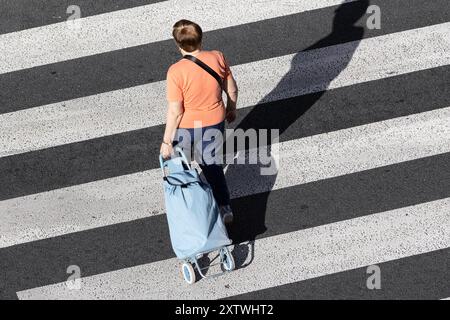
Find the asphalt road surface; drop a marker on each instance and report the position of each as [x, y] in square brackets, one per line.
[363, 180]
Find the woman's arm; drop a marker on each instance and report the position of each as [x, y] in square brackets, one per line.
[174, 114]
[231, 90]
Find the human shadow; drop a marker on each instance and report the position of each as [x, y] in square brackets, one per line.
[272, 113]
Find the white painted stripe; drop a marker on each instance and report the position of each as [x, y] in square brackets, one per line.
[280, 260]
[144, 106]
[136, 26]
[304, 160]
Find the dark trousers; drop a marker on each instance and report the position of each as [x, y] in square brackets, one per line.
[199, 142]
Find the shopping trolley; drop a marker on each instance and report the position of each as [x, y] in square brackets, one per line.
[195, 225]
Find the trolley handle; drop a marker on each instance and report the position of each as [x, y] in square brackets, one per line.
[163, 162]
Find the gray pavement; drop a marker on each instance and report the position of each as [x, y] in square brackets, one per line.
[364, 120]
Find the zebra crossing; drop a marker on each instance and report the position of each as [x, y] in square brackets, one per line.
[79, 119]
[364, 171]
[328, 155]
[354, 244]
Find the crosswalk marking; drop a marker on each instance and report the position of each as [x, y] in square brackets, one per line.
[143, 106]
[128, 197]
[70, 79]
[364, 168]
[422, 276]
[37, 14]
[135, 26]
[282, 259]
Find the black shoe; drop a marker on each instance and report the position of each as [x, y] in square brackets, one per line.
[227, 214]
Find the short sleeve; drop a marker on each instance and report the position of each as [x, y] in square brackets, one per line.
[174, 90]
[226, 66]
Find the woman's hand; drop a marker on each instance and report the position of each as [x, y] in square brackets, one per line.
[166, 150]
[174, 114]
[230, 115]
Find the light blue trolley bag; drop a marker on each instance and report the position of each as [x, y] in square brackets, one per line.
[195, 225]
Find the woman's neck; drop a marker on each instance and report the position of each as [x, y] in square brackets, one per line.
[193, 53]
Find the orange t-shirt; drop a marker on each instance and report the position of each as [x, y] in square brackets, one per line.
[197, 89]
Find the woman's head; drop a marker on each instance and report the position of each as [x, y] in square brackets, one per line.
[188, 35]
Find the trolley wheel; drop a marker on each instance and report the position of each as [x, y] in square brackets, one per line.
[188, 273]
[228, 260]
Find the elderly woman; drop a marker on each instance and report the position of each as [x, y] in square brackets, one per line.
[195, 104]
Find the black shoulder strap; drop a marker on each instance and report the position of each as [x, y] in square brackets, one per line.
[205, 67]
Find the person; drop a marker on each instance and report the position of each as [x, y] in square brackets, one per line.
[195, 104]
